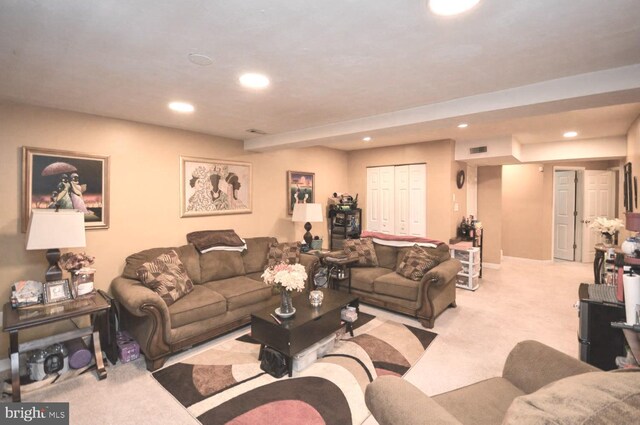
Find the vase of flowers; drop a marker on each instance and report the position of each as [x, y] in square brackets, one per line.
[608, 229]
[81, 274]
[286, 278]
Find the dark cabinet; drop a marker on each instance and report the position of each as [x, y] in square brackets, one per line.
[599, 342]
[344, 224]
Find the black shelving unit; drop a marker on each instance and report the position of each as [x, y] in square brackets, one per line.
[344, 224]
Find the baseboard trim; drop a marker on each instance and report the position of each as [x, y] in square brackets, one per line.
[529, 260]
[491, 266]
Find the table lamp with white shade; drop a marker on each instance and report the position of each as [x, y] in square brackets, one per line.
[307, 213]
[51, 230]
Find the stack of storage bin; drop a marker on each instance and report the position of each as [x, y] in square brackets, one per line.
[469, 276]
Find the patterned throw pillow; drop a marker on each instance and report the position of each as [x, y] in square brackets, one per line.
[167, 276]
[289, 252]
[416, 263]
[363, 250]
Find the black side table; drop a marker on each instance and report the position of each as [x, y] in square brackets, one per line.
[15, 320]
[339, 269]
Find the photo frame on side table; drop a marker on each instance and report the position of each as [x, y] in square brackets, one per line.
[67, 180]
[56, 291]
[300, 189]
[214, 187]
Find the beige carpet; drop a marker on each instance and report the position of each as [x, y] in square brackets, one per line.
[523, 300]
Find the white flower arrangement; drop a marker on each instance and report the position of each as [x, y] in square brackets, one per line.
[291, 277]
[604, 225]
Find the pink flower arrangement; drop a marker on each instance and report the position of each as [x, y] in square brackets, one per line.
[290, 277]
[74, 262]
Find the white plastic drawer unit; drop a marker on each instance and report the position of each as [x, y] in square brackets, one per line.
[466, 281]
[471, 255]
[470, 268]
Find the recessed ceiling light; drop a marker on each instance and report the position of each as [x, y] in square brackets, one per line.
[200, 59]
[181, 107]
[254, 81]
[366, 139]
[570, 134]
[451, 7]
[463, 125]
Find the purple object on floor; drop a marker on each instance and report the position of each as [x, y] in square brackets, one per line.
[128, 348]
[79, 354]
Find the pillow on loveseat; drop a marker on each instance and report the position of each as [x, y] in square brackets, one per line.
[167, 276]
[416, 263]
[590, 398]
[363, 250]
[288, 252]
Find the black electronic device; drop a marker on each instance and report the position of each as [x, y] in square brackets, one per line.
[599, 342]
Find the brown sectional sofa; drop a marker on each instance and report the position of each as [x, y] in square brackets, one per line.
[383, 287]
[227, 289]
[539, 385]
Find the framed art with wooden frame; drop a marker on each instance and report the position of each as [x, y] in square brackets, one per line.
[56, 291]
[214, 186]
[67, 180]
[300, 188]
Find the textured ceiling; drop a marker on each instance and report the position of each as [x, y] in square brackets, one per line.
[329, 61]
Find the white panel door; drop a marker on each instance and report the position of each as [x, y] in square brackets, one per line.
[598, 202]
[564, 218]
[402, 209]
[418, 200]
[373, 199]
[387, 200]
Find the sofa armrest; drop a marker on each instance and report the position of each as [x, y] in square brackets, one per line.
[394, 401]
[311, 264]
[134, 296]
[531, 365]
[443, 272]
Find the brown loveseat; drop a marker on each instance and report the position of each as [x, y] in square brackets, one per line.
[425, 299]
[227, 289]
[539, 385]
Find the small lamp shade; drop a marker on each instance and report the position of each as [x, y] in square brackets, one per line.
[633, 222]
[52, 230]
[307, 213]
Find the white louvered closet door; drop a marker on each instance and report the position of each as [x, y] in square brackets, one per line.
[373, 199]
[402, 195]
[418, 200]
[397, 200]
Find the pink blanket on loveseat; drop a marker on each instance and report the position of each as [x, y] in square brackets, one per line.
[397, 240]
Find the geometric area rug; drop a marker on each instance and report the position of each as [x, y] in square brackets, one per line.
[225, 385]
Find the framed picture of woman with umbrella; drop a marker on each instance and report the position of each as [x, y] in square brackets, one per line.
[54, 179]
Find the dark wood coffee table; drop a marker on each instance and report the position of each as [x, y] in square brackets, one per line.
[308, 326]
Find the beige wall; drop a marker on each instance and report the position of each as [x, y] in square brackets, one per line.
[459, 194]
[527, 204]
[523, 204]
[490, 212]
[441, 221]
[144, 182]
[633, 156]
[633, 146]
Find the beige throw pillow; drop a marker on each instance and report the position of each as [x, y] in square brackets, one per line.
[416, 263]
[363, 250]
[167, 276]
